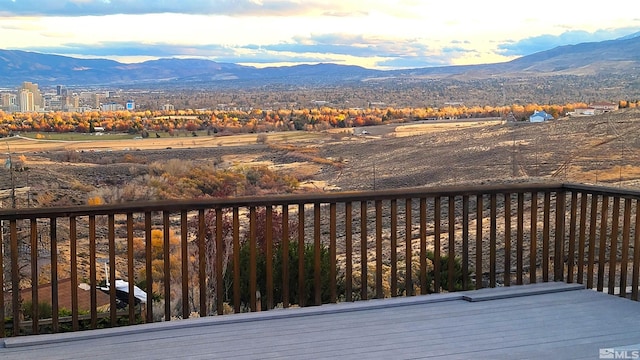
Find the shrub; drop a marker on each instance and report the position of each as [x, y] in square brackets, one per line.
[444, 273]
[44, 310]
[261, 275]
[261, 139]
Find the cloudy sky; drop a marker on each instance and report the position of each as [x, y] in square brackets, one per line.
[379, 34]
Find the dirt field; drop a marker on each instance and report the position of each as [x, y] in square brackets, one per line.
[112, 143]
[599, 149]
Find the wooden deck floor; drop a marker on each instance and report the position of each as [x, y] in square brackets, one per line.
[544, 321]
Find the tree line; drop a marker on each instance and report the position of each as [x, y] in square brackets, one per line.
[260, 120]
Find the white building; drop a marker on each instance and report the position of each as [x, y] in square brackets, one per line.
[540, 116]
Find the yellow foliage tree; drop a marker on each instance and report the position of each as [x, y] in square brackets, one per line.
[157, 259]
[95, 200]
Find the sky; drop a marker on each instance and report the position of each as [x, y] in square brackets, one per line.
[378, 34]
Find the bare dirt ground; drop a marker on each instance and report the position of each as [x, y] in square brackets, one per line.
[599, 149]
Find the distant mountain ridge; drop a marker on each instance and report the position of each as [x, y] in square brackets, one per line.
[618, 56]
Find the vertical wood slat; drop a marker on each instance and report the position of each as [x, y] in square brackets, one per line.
[55, 308]
[130, 271]
[624, 262]
[520, 241]
[437, 263]
[379, 293]
[113, 316]
[92, 271]
[285, 257]
[408, 280]
[582, 237]
[316, 255]
[604, 216]
[394, 247]
[202, 262]
[613, 252]
[465, 242]
[236, 255]
[348, 226]
[558, 252]
[493, 240]
[533, 252]
[268, 256]
[253, 255]
[507, 239]
[423, 247]
[363, 251]
[572, 236]
[333, 271]
[148, 269]
[219, 261]
[35, 310]
[184, 258]
[546, 237]
[635, 278]
[15, 275]
[301, 272]
[452, 244]
[3, 313]
[479, 215]
[73, 248]
[166, 251]
[592, 240]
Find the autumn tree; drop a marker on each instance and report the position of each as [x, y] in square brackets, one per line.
[158, 260]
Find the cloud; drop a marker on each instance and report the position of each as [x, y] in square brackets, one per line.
[123, 48]
[219, 53]
[333, 47]
[546, 42]
[412, 62]
[195, 7]
[17, 25]
[351, 45]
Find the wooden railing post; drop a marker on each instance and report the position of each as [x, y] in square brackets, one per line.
[558, 254]
[572, 236]
[16, 303]
[479, 215]
[394, 248]
[613, 246]
[3, 313]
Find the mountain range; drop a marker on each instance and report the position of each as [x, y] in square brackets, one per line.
[620, 56]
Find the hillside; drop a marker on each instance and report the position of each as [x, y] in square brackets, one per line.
[601, 149]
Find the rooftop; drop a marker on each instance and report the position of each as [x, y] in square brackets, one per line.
[538, 321]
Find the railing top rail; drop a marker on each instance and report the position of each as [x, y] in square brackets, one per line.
[603, 190]
[291, 199]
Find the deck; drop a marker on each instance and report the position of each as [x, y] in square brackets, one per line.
[541, 321]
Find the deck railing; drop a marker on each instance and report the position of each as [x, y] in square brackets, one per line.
[218, 256]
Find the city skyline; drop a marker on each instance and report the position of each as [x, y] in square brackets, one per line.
[378, 34]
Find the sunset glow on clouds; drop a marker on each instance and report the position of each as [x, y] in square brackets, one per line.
[374, 33]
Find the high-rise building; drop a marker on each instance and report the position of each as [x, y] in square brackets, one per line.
[38, 102]
[9, 102]
[27, 103]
